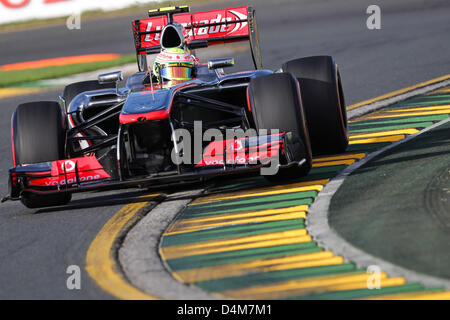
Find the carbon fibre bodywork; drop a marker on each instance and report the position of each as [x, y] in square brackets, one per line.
[136, 149]
[128, 136]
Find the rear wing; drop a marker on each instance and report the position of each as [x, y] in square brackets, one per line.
[201, 29]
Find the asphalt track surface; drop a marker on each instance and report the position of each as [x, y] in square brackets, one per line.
[37, 247]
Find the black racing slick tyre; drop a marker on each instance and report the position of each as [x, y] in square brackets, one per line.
[74, 89]
[38, 135]
[323, 100]
[275, 103]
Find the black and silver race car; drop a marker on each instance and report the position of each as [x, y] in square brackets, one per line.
[102, 136]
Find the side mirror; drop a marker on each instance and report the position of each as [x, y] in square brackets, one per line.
[197, 44]
[115, 76]
[220, 63]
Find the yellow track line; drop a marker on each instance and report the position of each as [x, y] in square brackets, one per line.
[287, 266]
[445, 90]
[234, 269]
[198, 222]
[298, 286]
[233, 241]
[404, 112]
[377, 140]
[415, 109]
[398, 92]
[409, 114]
[274, 217]
[387, 282]
[243, 214]
[383, 133]
[236, 240]
[333, 163]
[361, 284]
[269, 243]
[60, 61]
[341, 157]
[315, 185]
[10, 92]
[100, 262]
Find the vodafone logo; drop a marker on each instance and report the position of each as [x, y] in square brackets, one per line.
[238, 145]
[63, 172]
[234, 160]
[68, 165]
[72, 180]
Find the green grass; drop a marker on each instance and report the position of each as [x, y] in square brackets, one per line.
[16, 77]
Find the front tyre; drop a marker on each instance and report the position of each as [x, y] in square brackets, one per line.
[323, 100]
[38, 135]
[275, 103]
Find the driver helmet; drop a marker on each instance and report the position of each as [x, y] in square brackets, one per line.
[174, 64]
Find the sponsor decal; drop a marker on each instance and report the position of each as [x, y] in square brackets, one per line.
[234, 160]
[68, 166]
[169, 57]
[89, 169]
[237, 153]
[239, 25]
[71, 181]
[232, 19]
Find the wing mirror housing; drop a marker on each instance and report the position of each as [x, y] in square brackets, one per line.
[115, 76]
[110, 77]
[217, 64]
[214, 64]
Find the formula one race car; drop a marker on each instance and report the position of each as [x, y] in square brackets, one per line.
[171, 123]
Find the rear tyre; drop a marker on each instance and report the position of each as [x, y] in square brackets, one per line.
[275, 103]
[323, 100]
[38, 135]
[74, 89]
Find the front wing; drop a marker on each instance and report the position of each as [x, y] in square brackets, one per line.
[248, 154]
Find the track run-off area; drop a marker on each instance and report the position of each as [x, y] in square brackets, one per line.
[247, 238]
